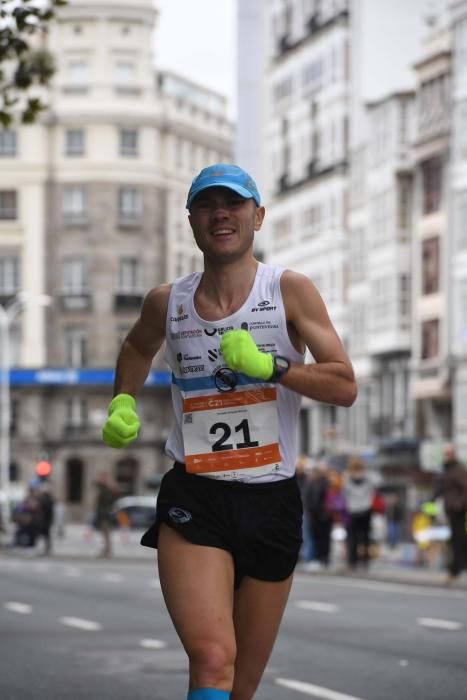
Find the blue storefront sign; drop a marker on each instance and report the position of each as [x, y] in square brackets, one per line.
[82, 377]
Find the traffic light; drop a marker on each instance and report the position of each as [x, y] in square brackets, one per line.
[43, 469]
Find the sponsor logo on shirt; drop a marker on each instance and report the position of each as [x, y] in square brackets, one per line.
[225, 379]
[263, 306]
[220, 331]
[190, 333]
[263, 325]
[192, 369]
[213, 354]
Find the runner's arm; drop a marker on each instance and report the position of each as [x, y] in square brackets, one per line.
[331, 378]
[142, 343]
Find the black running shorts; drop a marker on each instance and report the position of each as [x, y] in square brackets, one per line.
[259, 524]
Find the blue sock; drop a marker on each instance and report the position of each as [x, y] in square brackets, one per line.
[208, 694]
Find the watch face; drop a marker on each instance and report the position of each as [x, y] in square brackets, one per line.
[282, 362]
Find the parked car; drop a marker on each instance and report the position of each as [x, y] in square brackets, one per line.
[137, 512]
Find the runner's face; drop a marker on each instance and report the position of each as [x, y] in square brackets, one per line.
[224, 223]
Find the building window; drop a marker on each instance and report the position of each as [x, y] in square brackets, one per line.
[129, 276]
[75, 278]
[431, 183]
[461, 220]
[127, 476]
[14, 416]
[430, 339]
[358, 255]
[430, 266]
[404, 204]
[381, 218]
[128, 142]
[7, 142]
[78, 73]
[74, 479]
[74, 142]
[76, 412]
[130, 205]
[9, 275]
[124, 73]
[8, 205]
[74, 205]
[404, 298]
[75, 347]
[281, 232]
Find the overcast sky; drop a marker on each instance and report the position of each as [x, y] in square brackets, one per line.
[196, 38]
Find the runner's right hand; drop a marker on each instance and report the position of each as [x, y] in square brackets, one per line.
[122, 425]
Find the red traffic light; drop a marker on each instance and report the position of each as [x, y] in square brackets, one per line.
[43, 468]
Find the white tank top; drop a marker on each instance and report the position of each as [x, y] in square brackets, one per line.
[228, 425]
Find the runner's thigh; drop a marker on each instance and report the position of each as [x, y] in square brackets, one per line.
[197, 585]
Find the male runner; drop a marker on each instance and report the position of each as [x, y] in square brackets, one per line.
[228, 523]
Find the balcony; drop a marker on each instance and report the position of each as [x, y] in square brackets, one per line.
[79, 300]
[75, 431]
[128, 300]
[130, 221]
[313, 172]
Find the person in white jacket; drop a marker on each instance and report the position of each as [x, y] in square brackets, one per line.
[358, 493]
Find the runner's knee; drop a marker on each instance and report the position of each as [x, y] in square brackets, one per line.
[211, 664]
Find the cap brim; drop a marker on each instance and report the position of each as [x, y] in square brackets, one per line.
[242, 191]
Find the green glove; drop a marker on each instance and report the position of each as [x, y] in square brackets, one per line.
[240, 352]
[122, 425]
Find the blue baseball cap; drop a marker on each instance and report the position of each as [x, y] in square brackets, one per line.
[224, 175]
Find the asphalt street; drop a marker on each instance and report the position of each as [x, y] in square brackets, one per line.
[98, 629]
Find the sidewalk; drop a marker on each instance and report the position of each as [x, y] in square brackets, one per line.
[83, 543]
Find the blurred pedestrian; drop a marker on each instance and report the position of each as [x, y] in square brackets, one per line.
[394, 519]
[358, 491]
[319, 517]
[60, 518]
[26, 516]
[452, 487]
[46, 516]
[302, 470]
[105, 497]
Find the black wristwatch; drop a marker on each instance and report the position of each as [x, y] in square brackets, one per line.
[281, 365]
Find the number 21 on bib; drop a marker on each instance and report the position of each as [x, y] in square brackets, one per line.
[232, 433]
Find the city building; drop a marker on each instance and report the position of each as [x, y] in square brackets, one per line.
[92, 213]
[338, 110]
[457, 270]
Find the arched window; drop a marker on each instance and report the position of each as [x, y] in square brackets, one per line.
[74, 477]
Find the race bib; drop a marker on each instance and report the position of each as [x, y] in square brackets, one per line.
[231, 434]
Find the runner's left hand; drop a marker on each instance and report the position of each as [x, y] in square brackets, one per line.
[241, 353]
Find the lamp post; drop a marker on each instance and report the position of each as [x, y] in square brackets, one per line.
[7, 316]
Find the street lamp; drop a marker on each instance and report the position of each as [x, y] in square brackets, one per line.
[7, 316]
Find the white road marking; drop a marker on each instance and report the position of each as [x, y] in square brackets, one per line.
[403, 662]
[22, 608]
[316, 606]
[316, 691]
[73, 572]
[112, 577]
[153, 644]
[439, 624]
[81, 624]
